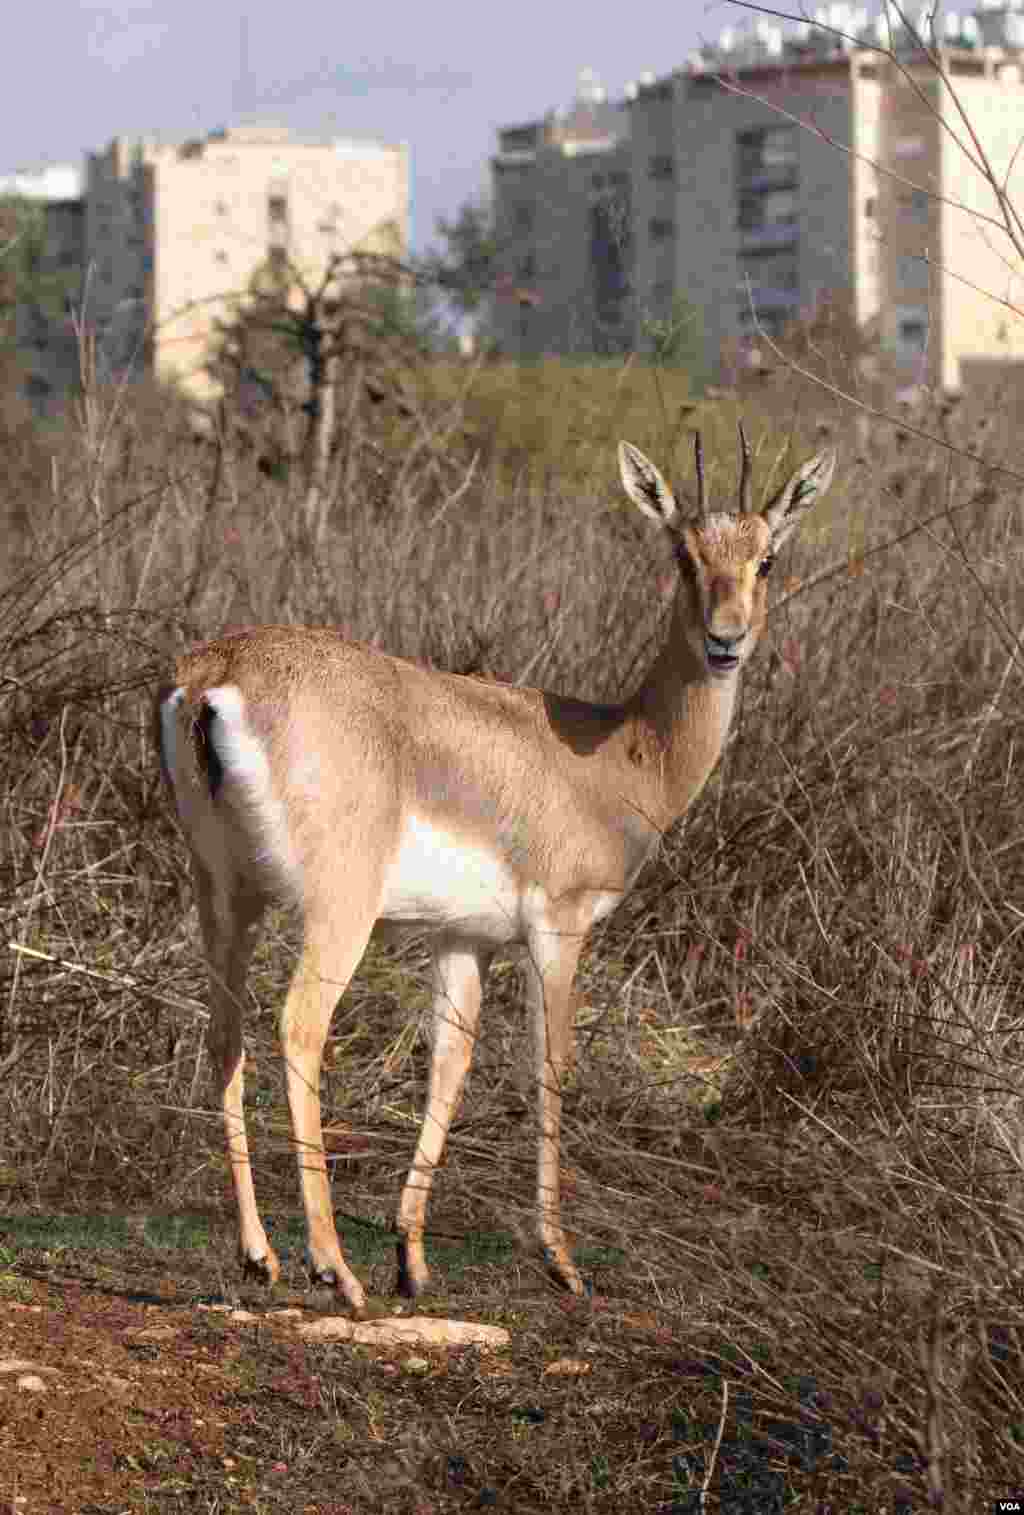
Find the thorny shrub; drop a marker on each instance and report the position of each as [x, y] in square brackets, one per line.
[795, 1104]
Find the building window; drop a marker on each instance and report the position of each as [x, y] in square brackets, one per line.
[912, 272]
[913, 206]
[277, 258]
[527, 266]
[911, 330]
[277, 220]
[774, 208]
[870, 205]
[660, 228]
[523, 217]
[766, 154]
[220, 208]
[220, 257]
[661, 166]
[597, 181]
[609, 263]
[778, 147]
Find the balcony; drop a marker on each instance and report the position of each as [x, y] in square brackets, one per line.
[761, 179]
[769, 237]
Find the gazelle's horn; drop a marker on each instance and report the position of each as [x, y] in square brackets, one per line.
[698, 457]
[746, 505]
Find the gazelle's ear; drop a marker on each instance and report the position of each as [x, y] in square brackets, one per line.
[646, 487]
[798, 495]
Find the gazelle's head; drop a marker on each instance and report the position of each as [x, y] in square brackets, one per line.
[724, 558]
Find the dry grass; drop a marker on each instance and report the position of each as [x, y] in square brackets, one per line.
[794, 1119]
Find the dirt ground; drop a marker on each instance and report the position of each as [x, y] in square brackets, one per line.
[153, 1398]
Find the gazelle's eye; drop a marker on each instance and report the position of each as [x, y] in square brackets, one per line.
[764, 568]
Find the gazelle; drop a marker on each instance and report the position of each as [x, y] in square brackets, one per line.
[369, 790]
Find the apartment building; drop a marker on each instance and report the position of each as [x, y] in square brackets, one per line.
[772, 172]
[173, 234]
[563, 224]
[47, 346]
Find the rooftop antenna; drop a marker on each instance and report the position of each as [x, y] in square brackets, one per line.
[588, 87]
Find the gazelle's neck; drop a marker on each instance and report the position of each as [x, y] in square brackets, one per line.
[682, 714]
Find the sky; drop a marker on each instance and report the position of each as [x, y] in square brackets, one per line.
[442, 77]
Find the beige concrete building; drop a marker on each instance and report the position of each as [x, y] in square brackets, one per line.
[773, 172]
[174, 234]
[563, 223]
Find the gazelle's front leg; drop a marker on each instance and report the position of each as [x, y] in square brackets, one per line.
[458, 985]
[551, 967]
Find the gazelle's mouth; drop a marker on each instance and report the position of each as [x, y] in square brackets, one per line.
[720, 659]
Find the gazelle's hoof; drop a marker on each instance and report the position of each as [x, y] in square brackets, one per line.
[562, 1270]
[373, 1309]
[337, 1279]
[413, 1273]
[265, 1269]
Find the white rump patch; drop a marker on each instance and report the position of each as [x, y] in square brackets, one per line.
[239, 751]
[169, 734]
[247, 773]
[437, 882]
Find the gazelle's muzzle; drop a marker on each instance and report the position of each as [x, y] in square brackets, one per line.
[723, 653]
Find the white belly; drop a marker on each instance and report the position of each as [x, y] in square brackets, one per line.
[440, 883]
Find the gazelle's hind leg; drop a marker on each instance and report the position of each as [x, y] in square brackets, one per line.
[228, 921]
[459, 971]
[330, 955]
[551, 966]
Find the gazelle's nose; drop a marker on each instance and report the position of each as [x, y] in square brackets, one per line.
[723, 644]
